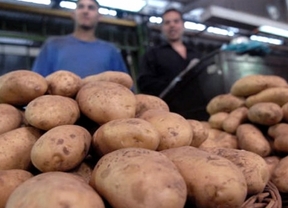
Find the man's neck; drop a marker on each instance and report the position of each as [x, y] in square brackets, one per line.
[176, 43]
[85, 35]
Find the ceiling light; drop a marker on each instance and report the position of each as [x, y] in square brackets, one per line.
[68, 4]
[128, 5]
[273, 30]
[105, 11]
[194, 26]
[45, 2]
[220, 31]
[266, 39]
[156, 20]
[17, 41]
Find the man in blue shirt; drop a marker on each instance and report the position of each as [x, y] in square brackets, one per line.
[80, 52]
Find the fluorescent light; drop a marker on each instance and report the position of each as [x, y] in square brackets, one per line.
[128, 5]
[45, 2]
[194, 26]
[17, 41]
[157, 3]
[105, 11]
[156, 20]
[68, 4]
[220, 31]
[274, 30]
[266, 39]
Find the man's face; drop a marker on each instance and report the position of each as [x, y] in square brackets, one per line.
[172, 26]
[86, 14]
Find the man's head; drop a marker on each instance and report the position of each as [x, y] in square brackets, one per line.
[172, 25]
[86, 15]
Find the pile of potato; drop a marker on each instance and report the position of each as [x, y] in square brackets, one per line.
[93, 142]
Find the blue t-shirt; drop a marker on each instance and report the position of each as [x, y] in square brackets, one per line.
[81, 57]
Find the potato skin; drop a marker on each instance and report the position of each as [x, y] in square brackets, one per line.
[19, 87]
[174, 129]
[224, 103]
[122, 133]
[62, 148]
[10, 118]
[250, 138]
[54, 189]
[234, 119]
[104, 101]
[212, 180]
[48, 111]
[137, 177]
[9, 181]
[253, 167]
[280, 175]
[253, 84]
[216, 120]
[199, 131]
[110, 76]
[145, 102]
[266, 113]
[285, 112]
[279, 133]
[64, 83]
[15, 147]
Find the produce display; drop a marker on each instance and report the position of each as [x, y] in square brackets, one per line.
[94, 143]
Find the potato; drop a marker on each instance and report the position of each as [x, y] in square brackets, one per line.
[15, 148]
[10, 180]
[137, 177]
[253, 167]
[122, 133]
[212, 180]
[234, 119]
[62, 148]
[145, 102]
[19, 87]
[216, 120]
[110, 76]
[199, 131]
[84, 170]
[105, 101]
[279, 133]
[280, 175]
[10, 118]
[266, 113]
[285, 112]
[278, 95]
[54, 189]
[224, 103]
[64, 83]
[250, 138]
[272, 162]
[253, 84]
[218, 138]
[48, 111]
[174, 129]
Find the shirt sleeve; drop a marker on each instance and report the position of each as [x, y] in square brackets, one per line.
[148, 80]
[42, 63]
[117, 63]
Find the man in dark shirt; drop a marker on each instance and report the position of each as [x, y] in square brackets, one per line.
[161, 64]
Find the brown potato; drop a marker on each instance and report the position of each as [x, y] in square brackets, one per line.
[174, 129]
[250, 138]
[19, 87]
[253, 84]
[137, 177]
[54, 189]
[10, 118]
[62, 148]
[9, 181]
[253, 167]
[103, 101]
[145, 102]
[234, 119]
[224, 103]
[212, 180]
[216, 120]
[220, 139]
[279, 133]
[122, 133]
[48, 111]
[110, 76]
[280, 175]
[278, 95]
[199, 131]
[272, 162]
[64, 83]
[265, 113]
[285, 112]
[15, 148]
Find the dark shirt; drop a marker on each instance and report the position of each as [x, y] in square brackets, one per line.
[159, 66]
